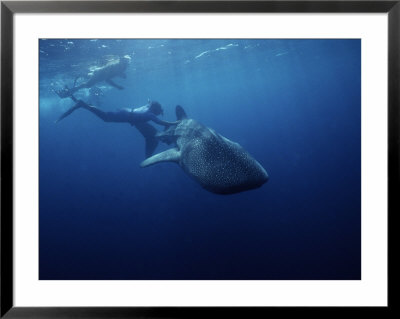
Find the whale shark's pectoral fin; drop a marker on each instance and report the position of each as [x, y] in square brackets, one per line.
[171, 155]
[112, 83]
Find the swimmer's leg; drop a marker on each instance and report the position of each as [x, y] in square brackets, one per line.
[149, 134]
[112, 83]
[122, 116]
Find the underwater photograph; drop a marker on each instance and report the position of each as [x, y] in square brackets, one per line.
[199, 159]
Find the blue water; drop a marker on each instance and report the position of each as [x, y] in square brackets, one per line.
[295, 105]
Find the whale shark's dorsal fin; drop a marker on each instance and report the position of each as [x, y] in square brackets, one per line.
[180, 113]
[171, 155]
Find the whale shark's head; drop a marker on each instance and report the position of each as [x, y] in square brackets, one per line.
[222, 166]
[240, 173]
[256, 176]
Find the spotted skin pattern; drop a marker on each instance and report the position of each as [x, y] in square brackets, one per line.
[215, 162]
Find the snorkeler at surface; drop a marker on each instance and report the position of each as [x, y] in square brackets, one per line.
[100, 74]
[137, 117]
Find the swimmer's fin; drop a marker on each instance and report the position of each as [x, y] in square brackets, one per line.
[73, 98]
[171, 155]
[149, 134]
[67, 113]
[78, 104]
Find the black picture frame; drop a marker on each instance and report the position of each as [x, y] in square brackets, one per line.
[9, 8]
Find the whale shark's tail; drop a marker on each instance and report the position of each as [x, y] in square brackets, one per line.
[149, 134]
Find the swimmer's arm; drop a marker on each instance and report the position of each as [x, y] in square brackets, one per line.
[155, 119]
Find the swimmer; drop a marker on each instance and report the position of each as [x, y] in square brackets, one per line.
[105, 73]
[137, 117]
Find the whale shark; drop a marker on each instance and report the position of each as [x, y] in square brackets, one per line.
[218, 164]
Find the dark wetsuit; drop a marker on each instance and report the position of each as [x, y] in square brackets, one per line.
[136, 117]
[131, 116]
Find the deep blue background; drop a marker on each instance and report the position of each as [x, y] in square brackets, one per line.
[295, 105]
